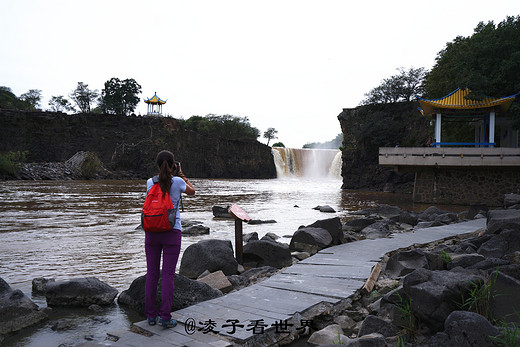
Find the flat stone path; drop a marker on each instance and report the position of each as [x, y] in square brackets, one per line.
[255, 316]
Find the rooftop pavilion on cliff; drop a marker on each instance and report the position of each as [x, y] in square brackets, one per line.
[154, 105]
[445, 169]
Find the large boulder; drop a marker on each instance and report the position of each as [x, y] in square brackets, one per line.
[17, 311]
[405, 217]
[385, 210]
[430, 213]
[218, 281]
[358, 224]
[325, 208]
[333, 226]
[435, 294]
[250, 237]
[83, 292]
[511, 200]
[39, 285]
[221, 212]
[377, 230]
[490, 264]
[464, 260]
[195, 230]
[403, 263]
[463, 328]
[262, 253]
[505, 302]
[332, 334]
[508, 241]
[211, 255]
[499, 220]
[374, 324]
[187, 292]
[512, 270]
[311, 236]
[252, 276]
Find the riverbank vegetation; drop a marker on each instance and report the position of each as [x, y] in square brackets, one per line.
[10, 162]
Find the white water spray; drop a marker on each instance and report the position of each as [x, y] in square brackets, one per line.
[309, 163]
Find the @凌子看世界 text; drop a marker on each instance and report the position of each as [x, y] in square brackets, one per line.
[256, 326]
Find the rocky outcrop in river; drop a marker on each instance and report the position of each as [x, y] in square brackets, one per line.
[365, 129]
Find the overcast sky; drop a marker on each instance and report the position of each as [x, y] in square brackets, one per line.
[288, 64]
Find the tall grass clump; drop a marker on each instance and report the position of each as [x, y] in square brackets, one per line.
[479, 296]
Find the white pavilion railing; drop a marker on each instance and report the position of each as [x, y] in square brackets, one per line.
[446, 156]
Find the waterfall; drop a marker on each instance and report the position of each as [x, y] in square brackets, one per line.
[312, 163]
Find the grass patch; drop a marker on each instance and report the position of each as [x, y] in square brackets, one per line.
[510, 335]
[479, 296]
[446, 258]
[405, 308]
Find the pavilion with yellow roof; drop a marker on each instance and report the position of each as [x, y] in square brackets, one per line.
[457, 105]
[154, 105]
[479, 172]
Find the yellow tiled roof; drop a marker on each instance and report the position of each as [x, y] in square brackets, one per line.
[457, 101]
[155, 100]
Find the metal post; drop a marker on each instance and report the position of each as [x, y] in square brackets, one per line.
[238, 240]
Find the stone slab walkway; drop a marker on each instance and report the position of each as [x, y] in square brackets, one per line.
[255, 316]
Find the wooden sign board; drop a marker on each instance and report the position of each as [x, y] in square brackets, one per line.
[238, 213]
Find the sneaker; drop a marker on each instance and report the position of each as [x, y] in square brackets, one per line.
[152, 321]
[165, 323]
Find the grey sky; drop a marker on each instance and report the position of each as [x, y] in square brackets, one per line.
[288, 64]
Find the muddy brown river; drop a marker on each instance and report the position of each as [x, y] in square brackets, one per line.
[66, 229]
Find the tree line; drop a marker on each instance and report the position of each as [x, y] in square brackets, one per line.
[121, 97]
[117, 97]
[487, 62]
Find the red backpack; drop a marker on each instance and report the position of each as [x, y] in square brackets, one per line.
[158, 213]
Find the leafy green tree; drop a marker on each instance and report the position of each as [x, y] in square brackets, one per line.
[60, 103]
[403, 86]
[33, 98]
[279, 144]
[83, 97]
[9, 101]
[225, 126]
[487, 62]
[270, 134]
[120, 97]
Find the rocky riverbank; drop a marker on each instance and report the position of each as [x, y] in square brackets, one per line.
[424, 281]
[81, 166]
[456, 292]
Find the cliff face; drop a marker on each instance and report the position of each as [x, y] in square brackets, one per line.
[130, 143]
[365, 129]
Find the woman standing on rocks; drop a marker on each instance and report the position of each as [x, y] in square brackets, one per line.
[170, 179]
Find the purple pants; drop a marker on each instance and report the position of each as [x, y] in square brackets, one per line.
[169, 244]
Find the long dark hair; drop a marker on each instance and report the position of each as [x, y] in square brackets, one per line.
[165, 161]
